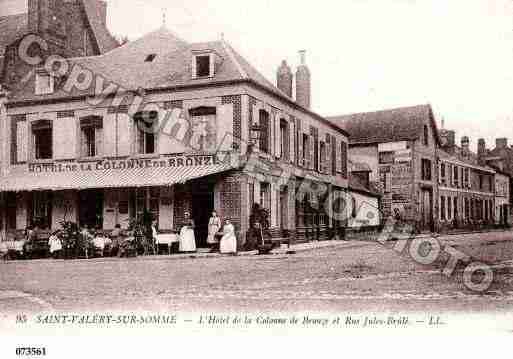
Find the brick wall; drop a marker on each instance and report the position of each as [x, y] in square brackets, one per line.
[237, 116]
[230, 190]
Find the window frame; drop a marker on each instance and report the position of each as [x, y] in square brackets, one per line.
[50, 89]
[35, 128]
[426, 170]
[147, 117]
[96, 124]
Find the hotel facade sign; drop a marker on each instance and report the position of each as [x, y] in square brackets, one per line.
[124, 164]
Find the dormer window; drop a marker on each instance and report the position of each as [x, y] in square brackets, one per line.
[44, 83]
[203, 65]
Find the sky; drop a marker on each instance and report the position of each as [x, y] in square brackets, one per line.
[364, 55]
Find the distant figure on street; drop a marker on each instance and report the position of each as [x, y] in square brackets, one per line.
[214, 226]
[187, 239]
[229, 241]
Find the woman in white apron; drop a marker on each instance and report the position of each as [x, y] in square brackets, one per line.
[187, 240]
[214, 225]
[229, 241]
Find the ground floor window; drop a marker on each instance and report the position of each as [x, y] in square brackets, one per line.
[442, 208]
[10, 203]
[41, 213]
[147, 200]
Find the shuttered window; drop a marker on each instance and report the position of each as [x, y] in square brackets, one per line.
[265, 130]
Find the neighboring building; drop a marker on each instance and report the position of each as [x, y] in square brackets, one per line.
[501, 159]
[502, 198]
[466, 189]
[71, 28]
[363, 200]
[74, 155]
[400, 146]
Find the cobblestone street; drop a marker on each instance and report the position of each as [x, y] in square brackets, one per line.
[351, 276]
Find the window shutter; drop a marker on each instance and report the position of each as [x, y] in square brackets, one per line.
[256, 120]
[277, 135]
[327, 164]
[193, 66]
[292, 142]
[212, 64]
[167, 124]
[64, 138]
[124, 125]
[312, 152]
[99, 141]
[21, 141]
[109, 135]
[225, 126]
[338, 158]
[299, 135]
[343, 160]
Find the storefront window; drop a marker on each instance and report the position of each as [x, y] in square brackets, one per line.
[41, 209]
[11, 210]
[147, 199]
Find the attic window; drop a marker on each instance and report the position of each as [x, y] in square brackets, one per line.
[150, 58]
[203, 65]
[44, 83]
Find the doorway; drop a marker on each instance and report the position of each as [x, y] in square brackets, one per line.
[427, 209]
[91, 208]
[202, 207]
[284, 207]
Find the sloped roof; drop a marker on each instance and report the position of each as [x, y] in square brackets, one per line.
[11, 28]
[400, 124]
[171, 68]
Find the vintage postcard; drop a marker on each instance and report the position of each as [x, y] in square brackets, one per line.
[253, 168]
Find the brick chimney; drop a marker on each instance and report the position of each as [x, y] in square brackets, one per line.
[284, 78]
[303, 82]
[465, 144]
[481, 150]
[448, 139]
[42, 17]
[501, 143]
[102, 11]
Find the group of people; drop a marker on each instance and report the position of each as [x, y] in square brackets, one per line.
[220, 238]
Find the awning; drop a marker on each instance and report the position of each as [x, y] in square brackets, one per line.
[79, 178]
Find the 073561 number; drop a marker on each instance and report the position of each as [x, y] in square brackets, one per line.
[30, 352]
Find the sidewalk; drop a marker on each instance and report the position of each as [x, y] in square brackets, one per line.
[283, 250]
